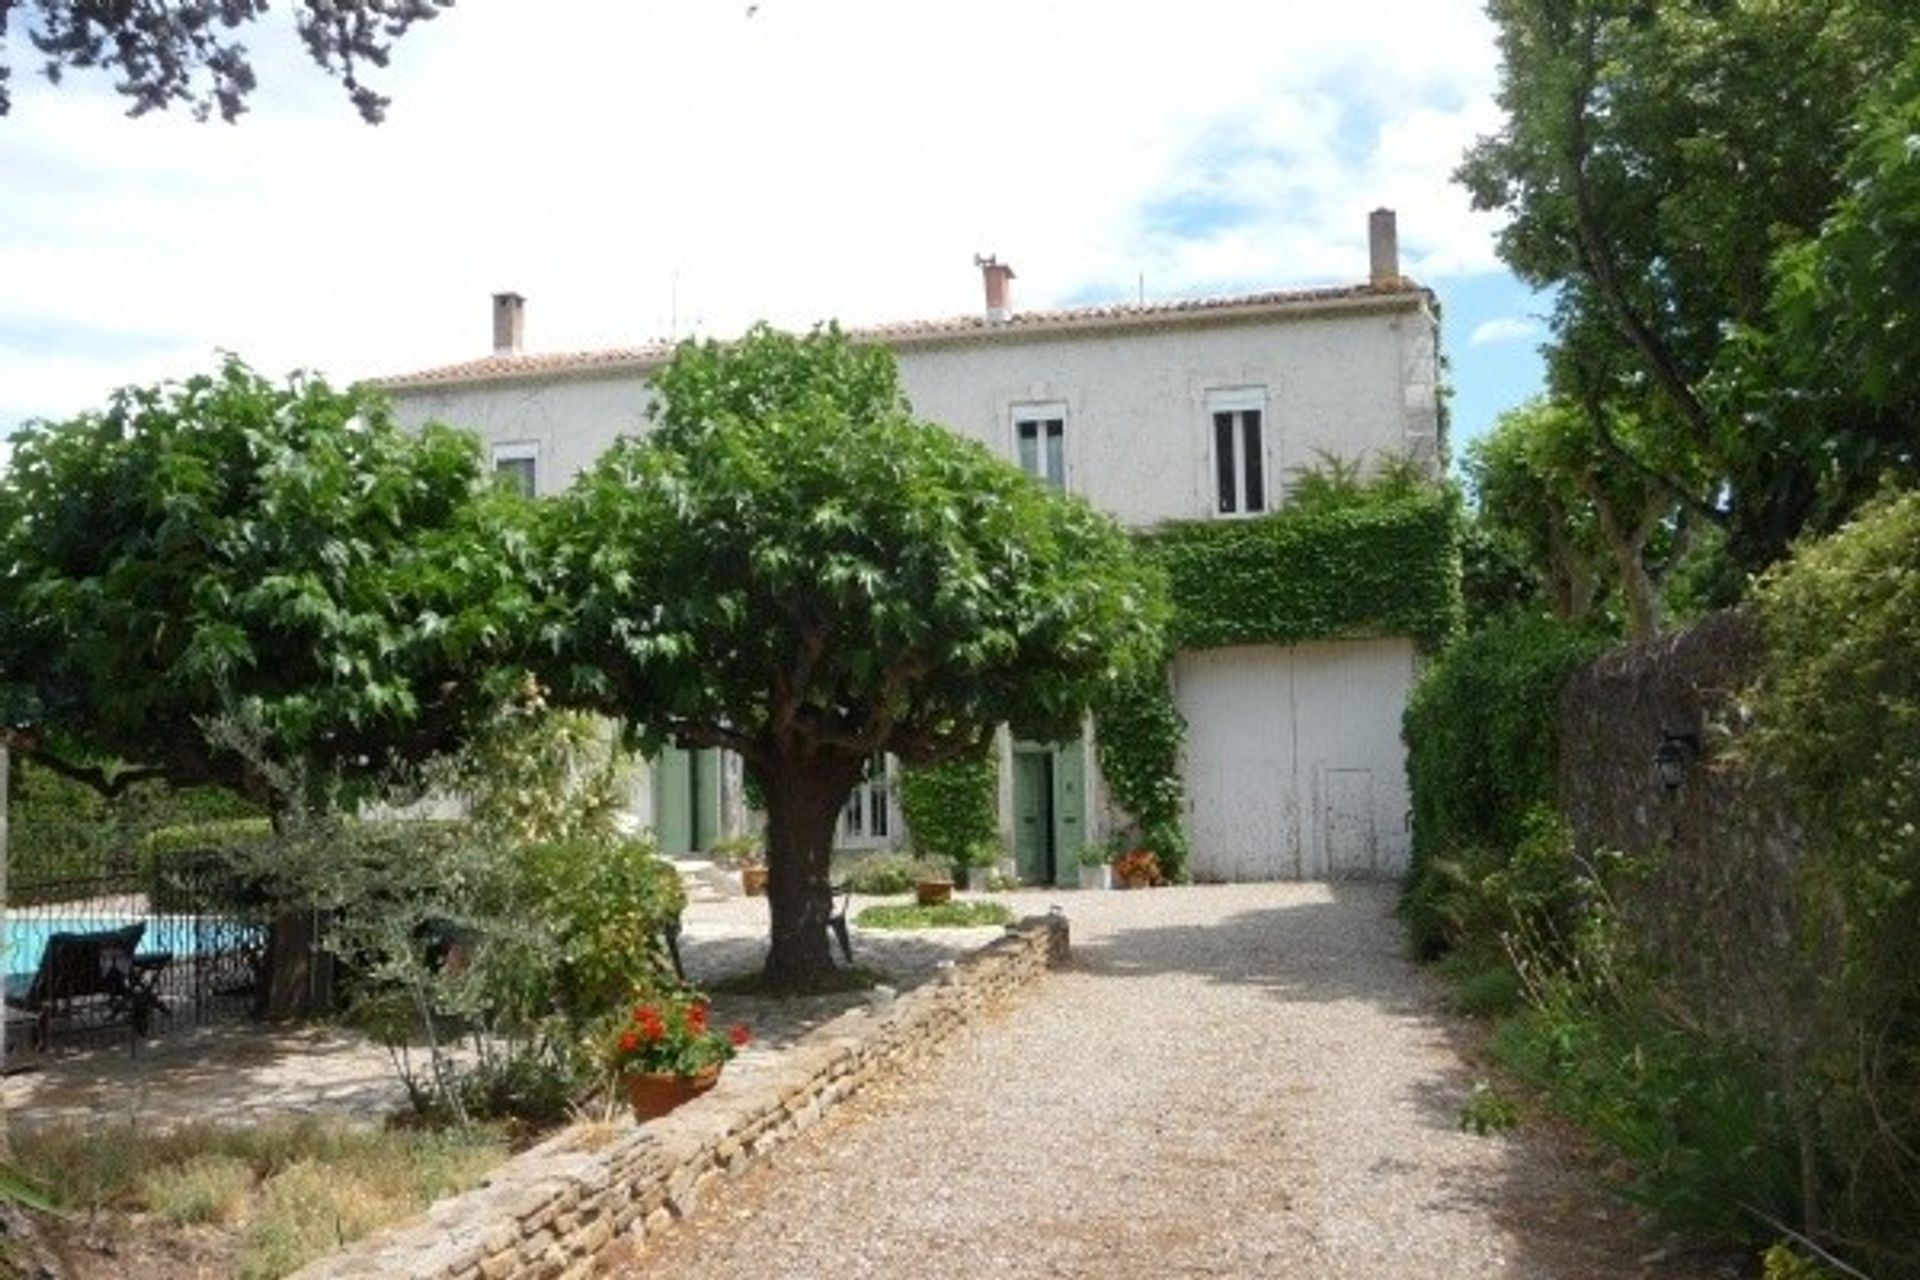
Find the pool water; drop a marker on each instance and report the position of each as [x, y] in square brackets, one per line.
[24, 938]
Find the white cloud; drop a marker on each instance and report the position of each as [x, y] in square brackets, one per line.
[1504, 329]
[640, 169]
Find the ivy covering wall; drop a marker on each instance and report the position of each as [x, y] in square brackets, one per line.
[1137, 740]
[1346, 558]
[951, 809]
[1353, 561]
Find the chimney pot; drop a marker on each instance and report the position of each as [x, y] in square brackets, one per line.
[996, 275]
[1383, 249]
[509, 323]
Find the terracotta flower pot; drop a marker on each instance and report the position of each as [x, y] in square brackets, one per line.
[753, 881]
[933, 892]
[652, 1094]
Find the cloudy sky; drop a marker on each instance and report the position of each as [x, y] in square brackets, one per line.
[648, 169]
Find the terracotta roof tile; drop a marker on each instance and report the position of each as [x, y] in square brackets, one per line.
[494, 368]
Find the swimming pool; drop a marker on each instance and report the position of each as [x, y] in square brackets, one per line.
[24, 937]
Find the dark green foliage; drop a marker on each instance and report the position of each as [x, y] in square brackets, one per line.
[1384, 565]
[792, 567]
[1481, 751]
[881, 874]
[952, 808]
[63, 834]
[1665, 168]
[1836, 716]
[1138, 733]
[1495, 578]
[228, 543]
[1697, 1116]
[162, 55]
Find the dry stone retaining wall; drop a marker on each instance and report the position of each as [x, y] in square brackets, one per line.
[585, 1198]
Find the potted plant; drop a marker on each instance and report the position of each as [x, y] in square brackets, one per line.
[1095, 871]
[932, 882]
[977, 867]
[743, 854]
[665, 1053]
[1137, 868]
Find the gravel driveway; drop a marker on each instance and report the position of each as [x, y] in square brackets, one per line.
[1227, 1081]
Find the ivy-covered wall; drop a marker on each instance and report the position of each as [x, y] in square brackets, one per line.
[1378, 560]
[1346, 559]
[952, 809]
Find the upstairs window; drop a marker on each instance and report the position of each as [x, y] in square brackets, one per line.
[1237, 419]
[1040, 442]
[521, 462]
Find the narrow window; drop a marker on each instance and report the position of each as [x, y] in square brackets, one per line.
[520, 462]
[1040, 442]
[1239, 457]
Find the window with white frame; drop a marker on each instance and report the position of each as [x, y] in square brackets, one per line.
[1237, 419]
[1040, 441]
[867, 818]
[521, 460]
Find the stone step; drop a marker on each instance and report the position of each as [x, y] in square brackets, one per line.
[706, 881]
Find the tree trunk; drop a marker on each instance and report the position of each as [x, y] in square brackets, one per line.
[298, 982]
[298, 977]
[804, 798]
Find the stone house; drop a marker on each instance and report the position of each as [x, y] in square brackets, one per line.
[1200, 409]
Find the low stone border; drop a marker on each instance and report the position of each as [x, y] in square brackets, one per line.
[587, 1197]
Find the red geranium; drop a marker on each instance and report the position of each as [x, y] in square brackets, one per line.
[670, 1034]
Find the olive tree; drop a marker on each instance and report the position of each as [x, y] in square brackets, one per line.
[792, 567]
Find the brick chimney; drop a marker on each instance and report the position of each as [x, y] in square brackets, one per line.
[509, 323]
[1383, 249]
[996, 275]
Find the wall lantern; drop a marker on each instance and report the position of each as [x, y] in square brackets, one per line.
[1673, 756]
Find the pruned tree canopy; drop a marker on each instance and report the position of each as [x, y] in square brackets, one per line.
[185, 52]
[794, 568]
[227, 544]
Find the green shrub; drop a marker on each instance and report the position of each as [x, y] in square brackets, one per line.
[190, 868]
[63, 830]
[882, 874]
[1696, 1116]
[1836, 717]
[952, 808]
[1481, 752]
[605, 902]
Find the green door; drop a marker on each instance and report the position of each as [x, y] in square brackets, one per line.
[686, 800]
[673, 801]
[1032, 814]
[1049, 812]
[1069, 811]
[704, 793]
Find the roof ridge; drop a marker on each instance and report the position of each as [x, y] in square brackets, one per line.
[496, 366]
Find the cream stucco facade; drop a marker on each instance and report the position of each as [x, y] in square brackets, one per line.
[1190, 410]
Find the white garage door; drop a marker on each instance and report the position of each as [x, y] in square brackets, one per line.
[1294, 766]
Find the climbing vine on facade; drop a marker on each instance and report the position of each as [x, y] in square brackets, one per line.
[1137, 739]
[1347, 560]
[952, 808]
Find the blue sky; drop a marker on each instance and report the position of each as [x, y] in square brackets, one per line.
[687, 166]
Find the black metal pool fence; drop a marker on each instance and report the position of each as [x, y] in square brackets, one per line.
[204, 935]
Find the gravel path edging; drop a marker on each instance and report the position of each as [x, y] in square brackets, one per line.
[589, 1197]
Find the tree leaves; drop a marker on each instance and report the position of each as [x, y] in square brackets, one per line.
[228, 540]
